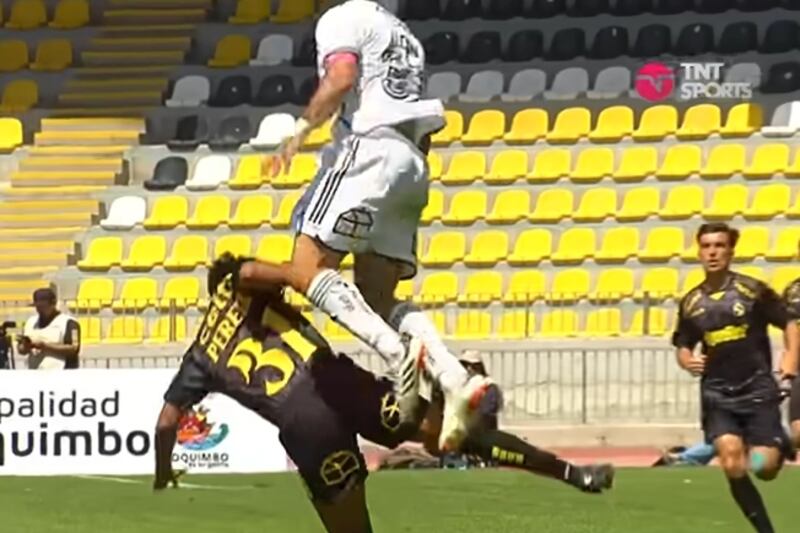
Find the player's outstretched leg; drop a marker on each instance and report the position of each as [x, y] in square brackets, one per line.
[733, 460]
[166, 434]
[349, 514]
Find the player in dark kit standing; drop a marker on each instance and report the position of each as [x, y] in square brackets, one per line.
[728, 314]
[791, 298]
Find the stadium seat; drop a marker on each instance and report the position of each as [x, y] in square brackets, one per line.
[53, 55]
[680, 162]
[768, 160]
[275, 248]
[249, 173]
[10, 134]
[653, 40]
[783, 276]
[611, 83]
[283, 217]
[656, 123]
[488, 248]
[637, 163]
[252, 212]
[699, 122]
[528, 126]
[458, 10]
[444, 85]
[90, 330]
[319, 136]
[482, 288]
[465, 168]
[659, 284]
[231, 134]
[231, 51]
[782, 78]
[567, 44]
[19, 96]
[683, 202]
[596, 205]
[454, 128]
[692, 279]
[188, 252]
[507, 167]
[610, 42]
[728, 201]
[103, 253]
[753, 242]
[516, 325]
[125, 330]
[575, 246]
[145, 253]
[190, 91]
[210, 212]
[550, 165]
[571, 124]
[441, 47]
[603, 323]
[754, 272]
[568, 84]
[485, 127]
[784, 247]
[306, 55]
[552, 205]
[167, 329]
[272, 130]
[190, 131]
[613, 124]
[233, 91]
[210, 172]
[238, 245]
[593, 165]
[437, 289]
[613, 285]
[785, 121]
[629, 8]
[724, 161]
[652, 321]
[435, 207]
[94, 294]
[482, 47]
[525, 286]
[404, 290]
[570, 285]
[275, 91]
[695, 39]
[639, 204]
[435, 166]
[662, 244]
[618, 245]
[302, 170]
[27, 15]
[510, 206]
[749, 73]
[273, 50]
[473, 325]
[525, 85]
[444, 249]
[70, 14]
[532, 246]
[290, 11]
[137, 294]
[125, 213]
[743, 121]
[250, 12]
[524, 46]
[781, 37]
[466, 208]
[167, 212]
[769, 201]
[559, 323]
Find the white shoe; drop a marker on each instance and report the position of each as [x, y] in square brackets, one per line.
[406, 385]
[460, 408]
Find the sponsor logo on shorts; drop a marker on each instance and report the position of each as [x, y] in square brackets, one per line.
[338, 467]
[390, 412]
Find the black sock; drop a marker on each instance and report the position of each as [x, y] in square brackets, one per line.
[749, 501]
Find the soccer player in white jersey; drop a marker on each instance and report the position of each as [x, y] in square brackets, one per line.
[368, 198]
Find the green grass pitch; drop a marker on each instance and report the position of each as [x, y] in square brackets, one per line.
[643, 501]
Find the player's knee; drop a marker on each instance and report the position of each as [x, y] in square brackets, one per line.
[733, 461]
[332, 491]
[168, 418]
[796, 434]
[763, 466]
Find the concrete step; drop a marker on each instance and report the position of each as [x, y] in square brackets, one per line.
[56, 232]
[44, 207]
[110, 98]
[111, 164]
[162, 30]
[23, 272]
[30, 284]
[92, 126]
[54, 220]
[117, 84]
[121, 111]
[141, 43]
[45, 178]
[62, 246]
[129, 58]
[10, 260]
[85, 138]
[128, 4]
[78, 151]
[51, 192]
[136, 16]
[102, 73]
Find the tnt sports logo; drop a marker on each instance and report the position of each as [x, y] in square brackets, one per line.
[197, 433]
[655, 82]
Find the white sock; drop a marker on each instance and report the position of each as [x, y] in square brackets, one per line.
[442, 364]
[343, 302]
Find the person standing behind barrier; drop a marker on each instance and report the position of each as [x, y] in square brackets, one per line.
[50, 339]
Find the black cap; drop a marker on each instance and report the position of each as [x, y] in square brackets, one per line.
[46, 294]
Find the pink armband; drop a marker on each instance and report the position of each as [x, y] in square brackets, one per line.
[340, 57]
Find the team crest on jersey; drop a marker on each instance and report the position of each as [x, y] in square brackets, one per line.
[404, 60]
[390, 412]
[338, 466]
[738, 309]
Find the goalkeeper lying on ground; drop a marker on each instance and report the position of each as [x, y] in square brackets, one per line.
[264, 354]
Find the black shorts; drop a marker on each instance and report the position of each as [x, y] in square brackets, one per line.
[794, 402]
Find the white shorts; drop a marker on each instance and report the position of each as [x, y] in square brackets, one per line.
[369, 199]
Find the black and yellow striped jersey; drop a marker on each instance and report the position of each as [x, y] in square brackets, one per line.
[791, 298]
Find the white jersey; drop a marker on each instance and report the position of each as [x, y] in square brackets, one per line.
[392, 61]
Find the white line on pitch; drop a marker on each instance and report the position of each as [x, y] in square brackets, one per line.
[112, 479]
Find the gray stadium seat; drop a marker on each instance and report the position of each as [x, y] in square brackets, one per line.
[444, 85]
[744, 72]
[483, 86]
[525, 86]
[611, 82]
[190, 91]
[568, 84]
[273, 50]
[785, 121]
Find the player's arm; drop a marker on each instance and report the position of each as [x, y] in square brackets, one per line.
[685, 339]
[773, 308]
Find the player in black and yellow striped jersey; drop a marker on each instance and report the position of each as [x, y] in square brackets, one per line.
[791, 298]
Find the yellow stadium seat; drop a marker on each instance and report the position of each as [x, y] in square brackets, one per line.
[656, 123]
[438, 289]
[603, 323]
[488, 248]
[596, 205]
[466, 208]
[516, 325]
[659, 284]
[662, 244]
[90, 329]
[692, 279]
[593, 165]
[210, 212]
[769, 201]
[10, 134]
[231, 51]
[724, 161]
[70, 14]
[570, 285]
[794, 169]
[19, 96]
[435, 166]
[680, 162]
[753, 242]
[137, 294]
[571, 124]
[753, 272]
[575, 246]
[302, 170]
[550, 165]
[465, 168]
[275, 248]
[180, 292]
[404, 290]
[166, 329]
[482, 288]
[94, 294]
[690, 254]
[510, 206]
[435, 207]
[793, 212]
[283, 218]
[250, 12]
[528, 126]
[637, 163]
[784, 247]
[252, 212]
[125, 330]
[238, 245]
[319, 136]
[525, 286]
[552, 205]
[167, 212]
[653, 321]
[729, 200]
[743, 120]
[683, 202]
[613, 284]
[618, 245]
[639, 204]
[27, 15]
[188, 252]
[444, 249]
[249, 174]
[145, 253]
[532, 246]
[103, 253]
[507, 167]
[452, 131]
[783, 276]
[768, 160]
[53, 55]
[559, 323]
[613, 124]
[700, 121]
[485, 127]
[473, 325]
[290, 11]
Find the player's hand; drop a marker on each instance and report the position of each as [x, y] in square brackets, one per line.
[696, 365]
[288, 149]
